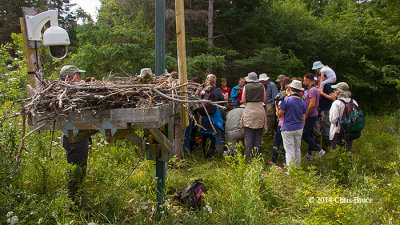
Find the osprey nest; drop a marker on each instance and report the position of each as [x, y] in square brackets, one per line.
[60, 97]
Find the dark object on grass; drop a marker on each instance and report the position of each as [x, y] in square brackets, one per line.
[192, 195]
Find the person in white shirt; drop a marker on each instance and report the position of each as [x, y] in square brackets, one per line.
[328, 76]
[335, 115]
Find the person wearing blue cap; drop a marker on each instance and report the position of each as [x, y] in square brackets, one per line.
[328, 76]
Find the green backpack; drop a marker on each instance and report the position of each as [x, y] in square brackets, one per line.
[352, 122]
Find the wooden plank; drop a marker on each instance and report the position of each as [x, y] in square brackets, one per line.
[138, 141]
[83, 134]
[121, 118]
[30, 56]
[181, 46]
[166, 145]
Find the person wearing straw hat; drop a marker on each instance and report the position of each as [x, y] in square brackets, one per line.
[294, 110]
[279, 80]
[278, 142]
[254, 119]
[271, 91]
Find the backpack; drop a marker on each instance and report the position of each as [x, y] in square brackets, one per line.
[352, 122]
[211, 109]
[192, 195]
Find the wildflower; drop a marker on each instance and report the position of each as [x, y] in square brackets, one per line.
[9, 214]
[208, 208]
[13, 220]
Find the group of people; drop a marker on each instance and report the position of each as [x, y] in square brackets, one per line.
[294, 113]
[253, 106]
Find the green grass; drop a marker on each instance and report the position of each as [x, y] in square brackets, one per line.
[34, 189]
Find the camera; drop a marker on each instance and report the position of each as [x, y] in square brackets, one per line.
[279, 98]
[58, 40]
[55, 37]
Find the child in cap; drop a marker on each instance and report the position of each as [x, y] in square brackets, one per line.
[328, 76]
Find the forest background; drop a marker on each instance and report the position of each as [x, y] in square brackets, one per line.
[359, 39]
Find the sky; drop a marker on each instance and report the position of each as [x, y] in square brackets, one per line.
[89, 6]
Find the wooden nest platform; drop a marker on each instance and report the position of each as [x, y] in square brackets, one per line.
[147, 101]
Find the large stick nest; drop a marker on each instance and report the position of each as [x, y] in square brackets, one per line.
[59, 97]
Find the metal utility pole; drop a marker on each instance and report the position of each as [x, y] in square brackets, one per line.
[161, 172]
[160, 37]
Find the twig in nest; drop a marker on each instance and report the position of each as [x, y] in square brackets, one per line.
[60, 99]
[23, 140]
[52, 137]
[33, 131]
[15, 115]
[108, 78]
[209, 119]
[193, 118]
[23, 132]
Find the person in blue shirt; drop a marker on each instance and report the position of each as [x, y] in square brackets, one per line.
[236, 91]
[271, 91]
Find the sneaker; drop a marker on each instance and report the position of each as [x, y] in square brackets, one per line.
[309, 156]
[320, 153]
[271, 163]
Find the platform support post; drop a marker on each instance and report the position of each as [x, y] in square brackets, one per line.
[161, 172]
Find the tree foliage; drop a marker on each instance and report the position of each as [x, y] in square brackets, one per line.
[359, 39]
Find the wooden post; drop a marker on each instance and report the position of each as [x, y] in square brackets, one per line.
[30, 55]
[181, 46]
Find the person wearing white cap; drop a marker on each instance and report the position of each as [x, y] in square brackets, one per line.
[271, 91]
[254, 119]
[294, 110]
[328, 76]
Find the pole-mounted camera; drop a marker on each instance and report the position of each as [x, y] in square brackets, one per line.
[55, 37]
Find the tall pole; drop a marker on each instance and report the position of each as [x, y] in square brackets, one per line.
[181, 46]
[32, 61]
[160, 37]
[161, 172]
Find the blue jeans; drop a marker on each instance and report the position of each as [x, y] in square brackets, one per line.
[252, 138]
[188, 138]
[308, 134]
[278, 142]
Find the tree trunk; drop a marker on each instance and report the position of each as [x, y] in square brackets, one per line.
[210, 29]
